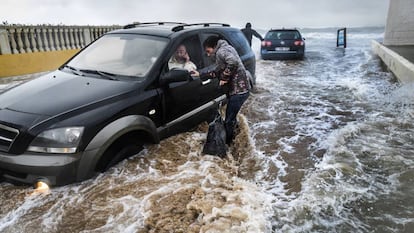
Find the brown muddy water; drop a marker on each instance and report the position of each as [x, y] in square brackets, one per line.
[325, 145]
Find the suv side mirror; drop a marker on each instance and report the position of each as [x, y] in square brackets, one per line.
[175, 75]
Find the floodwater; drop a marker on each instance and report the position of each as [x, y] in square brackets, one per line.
[325, 145]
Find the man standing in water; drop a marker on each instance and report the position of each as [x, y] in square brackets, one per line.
[249, 33]
[232, 73]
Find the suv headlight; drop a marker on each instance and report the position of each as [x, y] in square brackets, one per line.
[59, 140]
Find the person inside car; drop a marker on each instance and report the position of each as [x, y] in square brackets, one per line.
[232, 73]
[181, 59]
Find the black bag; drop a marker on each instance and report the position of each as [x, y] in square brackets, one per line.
[216, 138]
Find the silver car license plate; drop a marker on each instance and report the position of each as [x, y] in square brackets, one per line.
[282, 48]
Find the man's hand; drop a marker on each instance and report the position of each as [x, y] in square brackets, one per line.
[186, 57]
[212, 74]
[222, 82]
[226, 72]
[194, 73]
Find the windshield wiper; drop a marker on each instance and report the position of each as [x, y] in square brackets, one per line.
[74, 70]
[104, 74]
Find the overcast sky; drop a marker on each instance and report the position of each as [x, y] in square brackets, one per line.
[262, 14]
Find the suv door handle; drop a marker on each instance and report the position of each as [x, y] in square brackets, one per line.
[206, 82]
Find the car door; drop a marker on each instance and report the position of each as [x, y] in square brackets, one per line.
[181, 97]
[182, 94]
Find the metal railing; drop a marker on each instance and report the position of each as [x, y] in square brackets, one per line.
[18, 39]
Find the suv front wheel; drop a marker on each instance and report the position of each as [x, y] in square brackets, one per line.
[122, 148]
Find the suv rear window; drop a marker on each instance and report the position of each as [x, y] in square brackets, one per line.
[241, 44]
[283, 35]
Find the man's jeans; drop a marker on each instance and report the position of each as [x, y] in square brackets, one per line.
[234, 104]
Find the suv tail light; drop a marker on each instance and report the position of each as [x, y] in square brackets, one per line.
[299, 43]
[266, 43]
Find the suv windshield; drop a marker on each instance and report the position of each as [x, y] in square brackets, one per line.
[120, 54]
[283, 35]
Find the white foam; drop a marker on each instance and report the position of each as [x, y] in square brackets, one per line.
[13, 217]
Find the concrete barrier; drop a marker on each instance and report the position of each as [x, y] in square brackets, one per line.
[399, 28]
[29, 63]
[398, 65]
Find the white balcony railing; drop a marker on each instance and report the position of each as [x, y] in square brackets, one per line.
[18, 39]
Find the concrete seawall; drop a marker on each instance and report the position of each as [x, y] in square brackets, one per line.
[402, 68]
[397, 51]
[399, 29]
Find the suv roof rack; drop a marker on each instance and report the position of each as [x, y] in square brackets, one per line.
[283, 28]
[181, 27]
[138, 24]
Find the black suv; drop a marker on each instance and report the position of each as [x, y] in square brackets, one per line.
[107, 101]
[283, 44]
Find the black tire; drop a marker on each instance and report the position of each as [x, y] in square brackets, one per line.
[117, 152]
